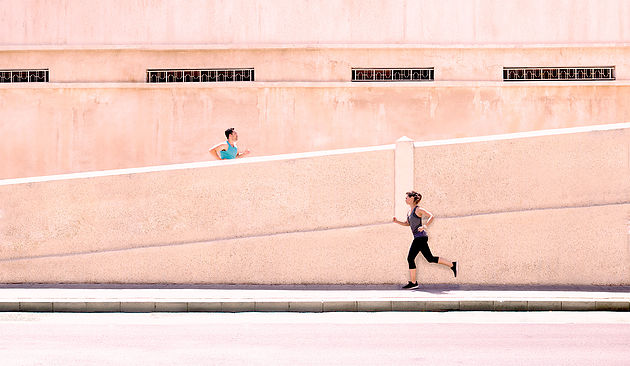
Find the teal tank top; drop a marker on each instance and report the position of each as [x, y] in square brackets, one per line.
[230, 153]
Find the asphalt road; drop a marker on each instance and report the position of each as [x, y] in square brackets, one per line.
[457, 338]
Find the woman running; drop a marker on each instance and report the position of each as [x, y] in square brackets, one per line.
[228, 149]
[420, 239]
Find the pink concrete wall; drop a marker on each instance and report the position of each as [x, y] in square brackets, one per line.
[298, 64]
[555, 208]
[72, 22]
[559, 218]
[533, 173]
[60, 128]
[222, 201]
[111, 123]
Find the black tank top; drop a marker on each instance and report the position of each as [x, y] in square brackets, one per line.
[415, 222]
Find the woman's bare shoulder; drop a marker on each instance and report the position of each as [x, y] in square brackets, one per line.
[423, 210]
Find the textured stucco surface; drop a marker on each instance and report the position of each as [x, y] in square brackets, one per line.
[68, 22]
[61, 129]
[562, 246]
[326, 219]
[569, 170]
[166, 207]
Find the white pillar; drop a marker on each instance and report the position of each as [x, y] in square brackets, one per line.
[403, 175]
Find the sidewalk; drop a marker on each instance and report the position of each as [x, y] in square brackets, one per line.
[311, 298]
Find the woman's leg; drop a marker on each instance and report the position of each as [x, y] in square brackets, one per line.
[445, 262]
[411, 259]
[426, 252]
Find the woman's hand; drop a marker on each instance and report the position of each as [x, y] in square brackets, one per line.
[242, 154]
[403, 223]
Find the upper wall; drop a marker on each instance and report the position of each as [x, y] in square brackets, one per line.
[311, 63]
[124, 22]
[49, 128]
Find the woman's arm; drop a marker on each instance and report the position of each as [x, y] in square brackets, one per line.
[214, 151]
[424, 212]
[242, 154]
[402, 223]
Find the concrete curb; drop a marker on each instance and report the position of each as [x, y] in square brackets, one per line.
[311, 306]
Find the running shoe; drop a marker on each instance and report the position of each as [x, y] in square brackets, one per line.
[410, 285]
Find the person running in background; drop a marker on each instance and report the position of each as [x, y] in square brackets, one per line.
[228, 149]
[420, 238]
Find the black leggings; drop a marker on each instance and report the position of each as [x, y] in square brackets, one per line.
[420, 244]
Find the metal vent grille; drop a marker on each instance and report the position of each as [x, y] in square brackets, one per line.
[389, 75]
[558, 73]
[24, 76]
[198, 75]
